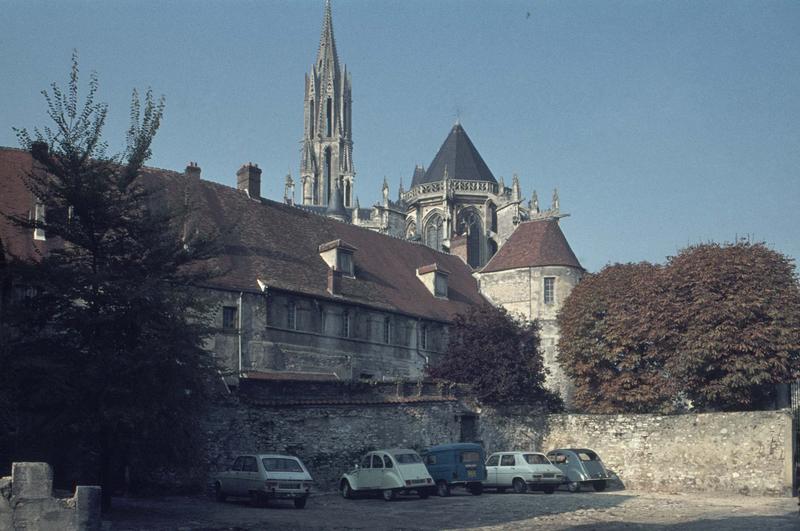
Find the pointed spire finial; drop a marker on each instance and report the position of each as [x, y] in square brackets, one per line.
[555, 199]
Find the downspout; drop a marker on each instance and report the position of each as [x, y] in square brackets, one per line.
[240, 333]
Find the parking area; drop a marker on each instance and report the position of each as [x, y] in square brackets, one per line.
[491, 511]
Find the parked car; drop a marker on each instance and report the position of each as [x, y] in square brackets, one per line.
[263, 477]
[581, 467]
[456, 465]
[388, 472]
[522, 471]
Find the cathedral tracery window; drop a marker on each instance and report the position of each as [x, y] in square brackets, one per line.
[434, 232]
[469, 223]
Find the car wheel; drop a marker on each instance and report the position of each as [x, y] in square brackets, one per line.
[476, 490]
[388, 494]
[300, 503]
[347, 492]
[549, 490]
[442, 488]
[574, 486]
[218, 494]
[519, 486]
[600, 486]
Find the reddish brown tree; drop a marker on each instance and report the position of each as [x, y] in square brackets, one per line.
[497, 355]
[613, 341]
[716, 328]
[735, 322]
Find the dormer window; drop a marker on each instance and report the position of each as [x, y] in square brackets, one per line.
[338, 255]
[435, 279]
[38, 216]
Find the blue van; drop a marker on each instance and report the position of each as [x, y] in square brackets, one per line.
[456, 465]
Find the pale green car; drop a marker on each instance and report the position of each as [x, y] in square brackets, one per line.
[388, 472]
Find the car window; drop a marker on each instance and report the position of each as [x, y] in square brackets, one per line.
[558, 459]
[237, 465]
[536, 459]
[493, 460]
[587, 456]
[470, 457]
[387, 461]
[430, 459]
[507, 460]
[250, 464]
[366, 461]
[407, 459]
[377, 462]
[281, 464]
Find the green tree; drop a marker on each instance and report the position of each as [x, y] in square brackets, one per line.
[102, 354]
[716, 328]
[497, 355]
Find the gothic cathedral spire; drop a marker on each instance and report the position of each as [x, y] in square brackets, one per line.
[327, 155]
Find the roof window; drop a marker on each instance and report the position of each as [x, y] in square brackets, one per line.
[435, 279]
[339, 256]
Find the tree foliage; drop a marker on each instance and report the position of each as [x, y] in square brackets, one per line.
[715, 328]
[102, 343]
[497, 355]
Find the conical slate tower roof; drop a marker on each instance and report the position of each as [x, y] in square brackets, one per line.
[459, 156]
[534, 244]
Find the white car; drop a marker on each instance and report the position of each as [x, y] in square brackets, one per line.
[388, 472]
[263, 477]
[522, 471]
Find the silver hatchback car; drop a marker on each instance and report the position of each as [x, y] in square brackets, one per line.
[263, 477]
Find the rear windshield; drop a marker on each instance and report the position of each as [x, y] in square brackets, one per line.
[536, 459]
[279, 464]
[470, 457]
[588, 456]
[407, 459]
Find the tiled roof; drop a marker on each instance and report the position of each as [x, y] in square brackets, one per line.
[533, 244]
[459, 156]
[278, 245]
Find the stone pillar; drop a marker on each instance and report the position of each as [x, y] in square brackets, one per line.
[87, 505]
[31, 481]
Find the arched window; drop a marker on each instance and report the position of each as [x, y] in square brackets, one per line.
[470, 224]
[329, 120]
[347, 194]
[434, 232]
[411, 231]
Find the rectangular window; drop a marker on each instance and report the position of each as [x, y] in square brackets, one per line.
[549, 290]
[291, 315]
[229, 318]
[345, 263]
[387, 331]
[423, 337]
[440, 285]
[346, 324]
[38, 213]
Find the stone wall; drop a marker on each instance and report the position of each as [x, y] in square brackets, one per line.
[330, 424]
[742, 452]
[26, 502]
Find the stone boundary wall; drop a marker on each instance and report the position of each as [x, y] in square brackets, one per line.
[739, 452]
[330, 425]
[26, 502]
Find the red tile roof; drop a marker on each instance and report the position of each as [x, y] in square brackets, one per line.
[533, 244]
[279, 245]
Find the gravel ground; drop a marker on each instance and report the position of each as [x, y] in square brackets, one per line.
[585, 511]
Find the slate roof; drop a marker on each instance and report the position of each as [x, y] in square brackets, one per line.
[533, 244]
[279, 245]
[459, 156]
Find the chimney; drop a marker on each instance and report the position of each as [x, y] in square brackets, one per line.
[458, 246]
[248, 178]
[334, 282]
[193, 170]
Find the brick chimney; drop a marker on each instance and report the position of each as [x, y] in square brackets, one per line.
[193, 170]
[248, 178]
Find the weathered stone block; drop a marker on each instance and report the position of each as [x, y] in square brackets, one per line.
[31, 481]
[87, 506]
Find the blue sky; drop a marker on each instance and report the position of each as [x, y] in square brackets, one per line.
[662, 124]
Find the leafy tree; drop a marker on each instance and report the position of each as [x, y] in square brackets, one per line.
[717, 328]
[497, 355]
[612, 342]
[735, 323]
[102, 353]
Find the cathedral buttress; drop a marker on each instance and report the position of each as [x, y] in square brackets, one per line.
[327, 155]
